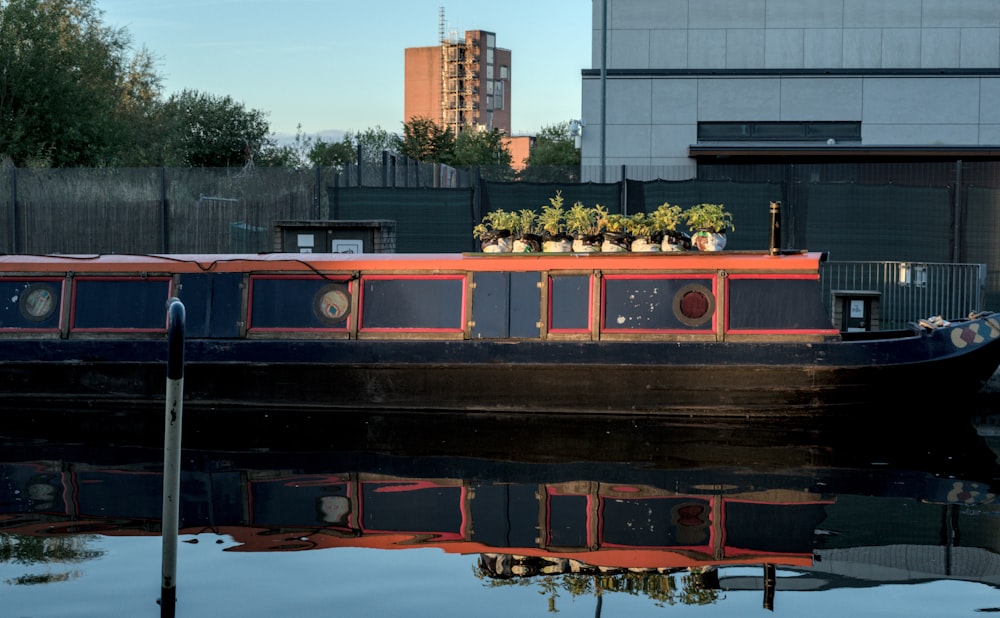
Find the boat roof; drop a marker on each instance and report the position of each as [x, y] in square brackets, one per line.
[732, 261]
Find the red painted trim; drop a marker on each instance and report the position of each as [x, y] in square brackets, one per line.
[730, 261]
[588, 510]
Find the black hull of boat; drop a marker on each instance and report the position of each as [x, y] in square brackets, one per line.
[715, 378]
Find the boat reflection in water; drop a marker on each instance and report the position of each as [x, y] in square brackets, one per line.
[582, 506]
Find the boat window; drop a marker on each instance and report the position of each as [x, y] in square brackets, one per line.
[431, 303]
[776, 303]
[299, 303]
[657, 522]
[790, 528]
[567, 520]
[30, 303]
[120, 303]
[569, 303]
[506, 515]
[506, 304]
[279, 503]
[657, 303]
[395, 506]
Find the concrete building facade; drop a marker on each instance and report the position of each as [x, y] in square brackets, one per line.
[673, 82]
[463, 82]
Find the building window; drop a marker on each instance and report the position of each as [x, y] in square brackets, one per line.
[498, 97]
[778, 131]
[504, 71]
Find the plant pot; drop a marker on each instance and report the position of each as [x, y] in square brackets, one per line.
[527, 243]
[497, 241]
[587, 244]
[706, 240]
[615, 242]
[644, 244]
[557, 243]
[675, 241]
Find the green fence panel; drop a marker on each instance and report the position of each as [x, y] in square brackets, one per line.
[980, 231]
[748, 201]
[427, 220]
[514, 196]
[866, 222]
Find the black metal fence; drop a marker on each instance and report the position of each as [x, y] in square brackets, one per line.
[946, 212]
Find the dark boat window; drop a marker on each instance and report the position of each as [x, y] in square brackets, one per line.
[567, 521]
[776, 304]
[657, 303]
[214, 303]
[299, 302]
[656, 522]
[569, 303]
[505, 515]
[433, 303]
[782, 528]
[412, 507]
[308, 501]
[119, 303]
[506, 304]
[30, 303]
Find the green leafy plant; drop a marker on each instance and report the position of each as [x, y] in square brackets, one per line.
[639, 225]
[525, 221]
[613, 223]
[665, 218]
[494, 222]
[710, 217]
[583, 221]
[552, 219]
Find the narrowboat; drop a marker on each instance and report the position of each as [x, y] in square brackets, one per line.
[731, 332]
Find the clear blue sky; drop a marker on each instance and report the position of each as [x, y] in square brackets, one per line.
[337, 65]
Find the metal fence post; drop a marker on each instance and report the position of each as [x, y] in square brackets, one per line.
[164, 211]
[14, 245]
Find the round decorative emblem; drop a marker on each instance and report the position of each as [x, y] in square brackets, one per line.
[332, 303]
[694, 305]
[38, 302]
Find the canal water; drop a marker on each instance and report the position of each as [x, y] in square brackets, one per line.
[339, 513]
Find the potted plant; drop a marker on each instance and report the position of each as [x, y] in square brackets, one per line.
[582, 224]
[526, 231]
[708, 224]
[644, 237]
[614, 236]
[494, 231]
[552, 221]
[665, 220]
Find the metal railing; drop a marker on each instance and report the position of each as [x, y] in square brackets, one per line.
[909, 291]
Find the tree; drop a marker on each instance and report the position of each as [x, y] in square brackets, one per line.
[332, 154]
[554, 156]
[424, 140]
[481, 147]
[70, 89]
[206, 130]
[373, 142]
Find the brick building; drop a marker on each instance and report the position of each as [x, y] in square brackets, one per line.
[460, 83]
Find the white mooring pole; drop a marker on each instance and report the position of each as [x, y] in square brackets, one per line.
[172, 454]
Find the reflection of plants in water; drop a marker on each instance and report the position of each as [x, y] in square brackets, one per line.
[33, 550]
[550, 576]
